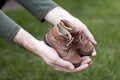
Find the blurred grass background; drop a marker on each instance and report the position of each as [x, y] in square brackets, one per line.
[102, 18]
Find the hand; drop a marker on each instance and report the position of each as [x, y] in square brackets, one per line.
[51, 57]
[85, 30]
[57, 14]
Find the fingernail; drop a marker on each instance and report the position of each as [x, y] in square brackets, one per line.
[71, 67]
[95, 42]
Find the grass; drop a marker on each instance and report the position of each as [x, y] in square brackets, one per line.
[103, 20]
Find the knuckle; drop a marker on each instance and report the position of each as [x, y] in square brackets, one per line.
[52, 60]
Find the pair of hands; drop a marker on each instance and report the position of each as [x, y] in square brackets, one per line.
[48, 54]
[52, 58]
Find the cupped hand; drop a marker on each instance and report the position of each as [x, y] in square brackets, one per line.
[83, 28]
[51, 57]
[57, 14]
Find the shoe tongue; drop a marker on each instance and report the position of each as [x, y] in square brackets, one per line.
[67, 25]
[63, 32]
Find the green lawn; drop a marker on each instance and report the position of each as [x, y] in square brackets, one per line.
[102, 18]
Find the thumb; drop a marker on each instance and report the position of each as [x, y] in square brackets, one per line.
[65, 64]
[90, 36]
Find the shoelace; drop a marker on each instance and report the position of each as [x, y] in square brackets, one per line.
[68, 41]
[79, 39]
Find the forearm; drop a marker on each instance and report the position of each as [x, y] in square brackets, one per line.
[26, 40]
[11, 31]
[8, 28]
[39, 8]
[39, 48]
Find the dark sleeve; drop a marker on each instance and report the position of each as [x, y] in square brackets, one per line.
[39, 8]
[8, 28]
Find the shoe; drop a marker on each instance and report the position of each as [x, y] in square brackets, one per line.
[83, 45]
[80, 41]
[62, 41]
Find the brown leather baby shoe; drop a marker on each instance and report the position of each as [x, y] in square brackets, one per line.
[62, 41]
[83, 45]
[80, 41]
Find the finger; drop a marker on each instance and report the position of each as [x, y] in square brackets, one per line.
[90, 36]
[61, 68]
[81, 68]
[85, 57]
[94, 53]
[85, 64]
[90, 63]
[64, 63]
[87, 61]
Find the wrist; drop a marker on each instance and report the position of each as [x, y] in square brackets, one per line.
[26, 40]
